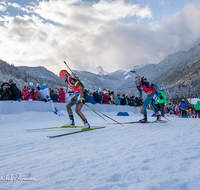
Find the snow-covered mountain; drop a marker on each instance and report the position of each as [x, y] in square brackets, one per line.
[100, 71]
[178, 73]
[23, 75]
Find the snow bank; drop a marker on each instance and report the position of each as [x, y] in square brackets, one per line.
[15, 107]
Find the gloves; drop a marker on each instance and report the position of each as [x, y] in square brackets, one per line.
[83, 100]
[155, 97]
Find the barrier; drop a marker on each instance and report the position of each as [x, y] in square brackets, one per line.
[15, 107]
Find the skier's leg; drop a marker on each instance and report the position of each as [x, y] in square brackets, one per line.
[69, 109]
[78, 107]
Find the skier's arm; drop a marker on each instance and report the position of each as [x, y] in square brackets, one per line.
[156, 87]
[81, 90]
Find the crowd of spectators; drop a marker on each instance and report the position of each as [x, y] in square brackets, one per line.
[10, 91]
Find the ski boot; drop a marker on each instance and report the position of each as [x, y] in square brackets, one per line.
[71, 121]
[144, 120]
[86, 125]
[158, 117]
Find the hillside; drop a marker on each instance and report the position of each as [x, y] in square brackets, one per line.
[178, 74]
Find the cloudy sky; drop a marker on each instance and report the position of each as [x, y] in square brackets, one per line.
[114, 34]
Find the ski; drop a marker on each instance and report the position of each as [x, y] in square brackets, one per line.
[64, 126]
[132, 122]
[83, 130]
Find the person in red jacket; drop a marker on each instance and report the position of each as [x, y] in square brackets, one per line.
[106, 98]
[78, 99]
[62, 96]
[30, 94]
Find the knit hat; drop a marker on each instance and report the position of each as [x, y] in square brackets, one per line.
[136, 79]
[63, 73]
[10, 81]
[37, 85]
[30, 84]
[28, 87]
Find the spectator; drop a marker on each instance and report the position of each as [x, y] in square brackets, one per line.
[16, 93]
[197, 109]
[113, 98]
[44, 91]
[5, 91]
[132, 101]
[162, 100]
[23, 92]
[62, 96]
[90, 98]
[30, 95]
[55, 96]
[97, 97]
[117, 98]
[40, 97]
[123, 100]
[106, 98]
[69, 95]
[183, 105]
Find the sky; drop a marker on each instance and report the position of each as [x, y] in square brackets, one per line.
[113, 34]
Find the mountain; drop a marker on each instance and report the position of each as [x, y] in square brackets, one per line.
[100, 71]
[23, 75]
[178, 74]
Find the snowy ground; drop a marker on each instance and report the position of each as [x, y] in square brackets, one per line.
[131, 157]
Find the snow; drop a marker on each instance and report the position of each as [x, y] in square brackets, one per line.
[131, 157]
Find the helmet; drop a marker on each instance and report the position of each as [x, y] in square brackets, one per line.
[136, 79]
[162, 89]
[63, 73]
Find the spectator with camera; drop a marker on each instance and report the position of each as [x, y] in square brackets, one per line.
[16, 93]
[5, 91]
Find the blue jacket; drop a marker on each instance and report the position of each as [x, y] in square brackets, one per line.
[90, 99]
[184, 105]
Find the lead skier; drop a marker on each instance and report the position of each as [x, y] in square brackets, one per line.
[78, 99]
[152, 92]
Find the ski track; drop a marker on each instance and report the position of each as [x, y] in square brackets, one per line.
[150, 156]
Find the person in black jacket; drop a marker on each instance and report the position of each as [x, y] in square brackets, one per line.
[5, 91]
[123, 100]
[16, 93]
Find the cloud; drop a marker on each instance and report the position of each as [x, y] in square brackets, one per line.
[87, 35]
[2, 8]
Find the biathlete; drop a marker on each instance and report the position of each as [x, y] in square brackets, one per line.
[77, 100]
[152, 92]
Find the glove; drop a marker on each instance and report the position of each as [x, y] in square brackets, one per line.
[83, 100]
[155, 97]
[18, 99]
[44, 100]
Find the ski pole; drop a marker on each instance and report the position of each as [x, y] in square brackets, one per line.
[100, 115]
[190, 112]
[165, 117]
[104, 114]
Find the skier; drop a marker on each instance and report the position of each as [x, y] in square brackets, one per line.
[78, 99]
[152, 92]
[162, 99]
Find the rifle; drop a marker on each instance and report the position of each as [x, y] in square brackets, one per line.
[74, 75]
